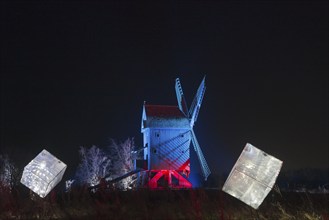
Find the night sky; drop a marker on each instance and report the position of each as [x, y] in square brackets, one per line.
[76, 74]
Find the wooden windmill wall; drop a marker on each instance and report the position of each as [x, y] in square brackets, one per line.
[167, 139]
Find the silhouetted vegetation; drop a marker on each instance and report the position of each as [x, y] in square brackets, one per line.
[79, 203]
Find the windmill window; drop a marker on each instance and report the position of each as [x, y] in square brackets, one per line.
[182, 135]
[157, 134]
[154, 150]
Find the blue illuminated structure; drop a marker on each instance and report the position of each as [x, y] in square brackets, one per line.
[167, 136]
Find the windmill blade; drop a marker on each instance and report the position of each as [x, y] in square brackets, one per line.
[196, 104]
[204, 166]
[180, 98]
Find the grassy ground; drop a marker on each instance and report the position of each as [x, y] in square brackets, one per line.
[165, 204]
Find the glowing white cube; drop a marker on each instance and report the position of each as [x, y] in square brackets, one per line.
[43, 173]
[252, 176]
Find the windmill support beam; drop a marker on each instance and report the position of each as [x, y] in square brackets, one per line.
[167, 179]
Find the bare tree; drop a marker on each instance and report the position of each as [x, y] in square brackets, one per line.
[94, 165]
[8, 172]
[120, 154]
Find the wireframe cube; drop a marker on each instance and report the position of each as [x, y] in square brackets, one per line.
[252, 176]
[43, 173]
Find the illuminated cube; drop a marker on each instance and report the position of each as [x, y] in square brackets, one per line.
[252, 176]
[43, 173]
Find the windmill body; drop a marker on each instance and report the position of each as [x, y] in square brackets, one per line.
[167, 136]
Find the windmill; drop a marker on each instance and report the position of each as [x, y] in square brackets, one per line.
[167, 136]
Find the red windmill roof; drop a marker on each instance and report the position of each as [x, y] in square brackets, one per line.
[164, 111]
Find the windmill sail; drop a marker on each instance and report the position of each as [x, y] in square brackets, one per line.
[204, 166]
[196, 104]
[180, 98]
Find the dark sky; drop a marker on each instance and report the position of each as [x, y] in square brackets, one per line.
[76, 74]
